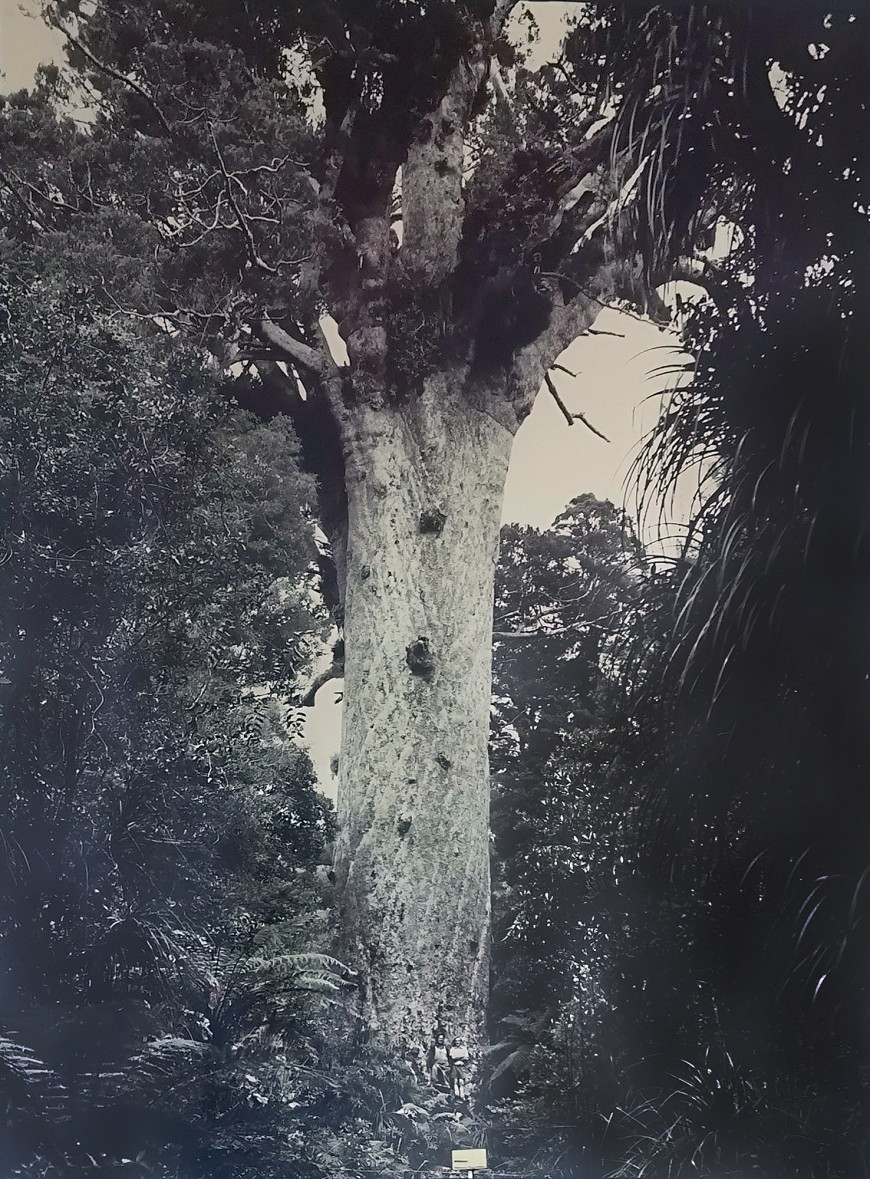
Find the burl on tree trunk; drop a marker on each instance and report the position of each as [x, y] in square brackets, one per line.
[413, 854]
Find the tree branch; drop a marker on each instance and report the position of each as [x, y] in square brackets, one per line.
[501, 15]
[536, 633]
[118, 77]
[309, 358]
[23, 201]
[335, 671]
[566, 413]
[531, 632]
[602, 303]
[501, 92]
[582, 418]
[701, 273]
[271, 372]
[320, 428]
[241, 219]
[433, 203]
[569, 417]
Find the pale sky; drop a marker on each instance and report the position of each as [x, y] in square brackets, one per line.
[25, 43]
[614, 389]
[551, 461]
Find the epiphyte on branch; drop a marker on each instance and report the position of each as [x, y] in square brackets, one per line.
[514, 308]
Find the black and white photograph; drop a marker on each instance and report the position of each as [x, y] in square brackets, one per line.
[434, 589]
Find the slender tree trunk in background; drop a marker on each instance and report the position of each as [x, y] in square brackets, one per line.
[425, 485]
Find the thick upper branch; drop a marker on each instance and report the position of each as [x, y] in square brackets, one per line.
[433, 205]
[311, 359]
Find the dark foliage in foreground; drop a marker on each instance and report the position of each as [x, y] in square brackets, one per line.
[160, 835]
[733, 1036]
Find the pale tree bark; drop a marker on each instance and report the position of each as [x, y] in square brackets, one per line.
[413, 855]
[449, 333]
[425, 482]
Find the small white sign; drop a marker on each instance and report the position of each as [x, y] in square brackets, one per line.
[469, 1160]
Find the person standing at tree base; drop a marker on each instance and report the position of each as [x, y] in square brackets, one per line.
[439, 1062]
[459, 1059]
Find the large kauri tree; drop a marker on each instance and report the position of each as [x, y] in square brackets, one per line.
[283, 181]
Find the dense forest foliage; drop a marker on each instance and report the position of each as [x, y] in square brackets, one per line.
[679, 743]
[161, 832]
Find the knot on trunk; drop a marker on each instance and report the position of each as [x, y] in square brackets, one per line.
[432, 521]
[418, 656]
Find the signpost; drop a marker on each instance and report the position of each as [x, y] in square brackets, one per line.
[469, 1160]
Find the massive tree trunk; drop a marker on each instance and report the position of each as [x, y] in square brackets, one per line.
[425, 483]
[449, 328]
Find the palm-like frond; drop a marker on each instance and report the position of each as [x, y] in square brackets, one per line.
[719, 1116]
[27, 1084]
[671, 93]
